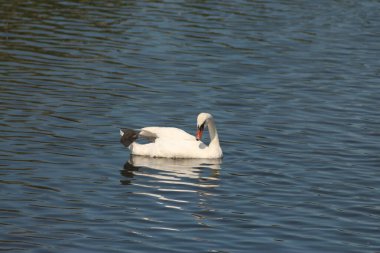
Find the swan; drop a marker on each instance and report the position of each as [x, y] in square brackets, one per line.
[171, 142]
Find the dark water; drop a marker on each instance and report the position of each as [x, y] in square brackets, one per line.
[295, 91]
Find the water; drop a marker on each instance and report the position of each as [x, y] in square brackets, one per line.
[294, 89]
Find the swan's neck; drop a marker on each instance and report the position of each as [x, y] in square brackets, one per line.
[214, 138]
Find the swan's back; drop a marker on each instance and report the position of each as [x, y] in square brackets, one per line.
[169, 133]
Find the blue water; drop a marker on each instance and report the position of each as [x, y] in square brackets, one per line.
[294, 88]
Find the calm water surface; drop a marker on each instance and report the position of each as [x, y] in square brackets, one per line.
[295, 91]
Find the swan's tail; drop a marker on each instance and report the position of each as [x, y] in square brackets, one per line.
[128, 136]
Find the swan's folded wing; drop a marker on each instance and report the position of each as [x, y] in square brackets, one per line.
[130, 135]
[150, 136]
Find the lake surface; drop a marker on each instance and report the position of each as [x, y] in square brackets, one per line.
[295, 91]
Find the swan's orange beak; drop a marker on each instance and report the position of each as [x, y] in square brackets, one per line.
[199, 133]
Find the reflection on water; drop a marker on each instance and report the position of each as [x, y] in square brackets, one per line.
[200, 171]
[173, 185]
[172, 182]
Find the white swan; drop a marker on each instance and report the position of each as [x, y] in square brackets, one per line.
[171, 142]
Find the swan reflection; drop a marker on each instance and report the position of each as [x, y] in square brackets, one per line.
[199, 172]
[178, 185]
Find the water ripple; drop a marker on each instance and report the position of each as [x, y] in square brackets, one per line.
[294, 91]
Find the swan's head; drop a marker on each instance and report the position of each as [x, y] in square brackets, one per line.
[202, 122]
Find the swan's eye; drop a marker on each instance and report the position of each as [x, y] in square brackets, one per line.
[202, 126]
